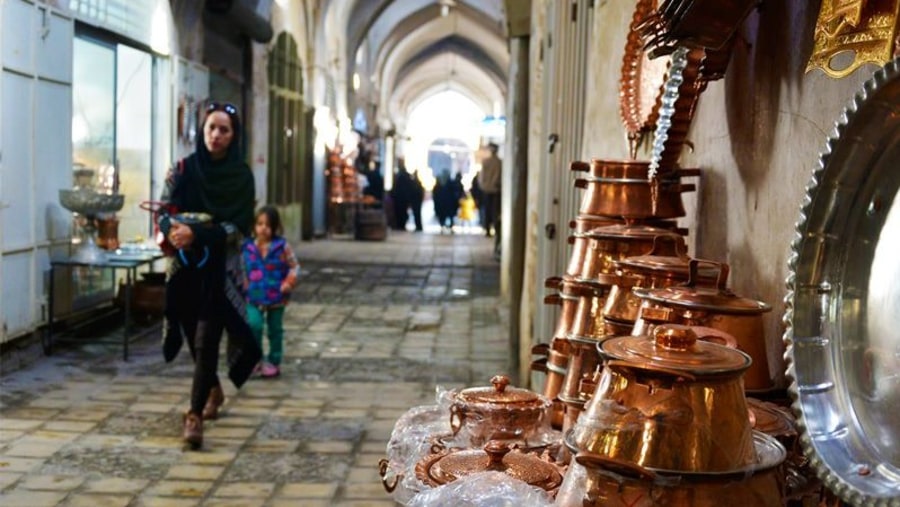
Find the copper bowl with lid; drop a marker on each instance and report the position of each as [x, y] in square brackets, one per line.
[616, 242]
[710, 306]
[669, 401]
[498, 412]
[447, 466]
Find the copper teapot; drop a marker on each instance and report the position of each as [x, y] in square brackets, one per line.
[670, 401]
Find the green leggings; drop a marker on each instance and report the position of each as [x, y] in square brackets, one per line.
[273, 321]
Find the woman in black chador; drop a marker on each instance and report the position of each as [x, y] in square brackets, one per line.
[211, 197]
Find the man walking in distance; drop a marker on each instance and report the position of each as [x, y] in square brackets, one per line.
[491, 169]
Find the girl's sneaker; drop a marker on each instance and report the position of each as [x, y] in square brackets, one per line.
[257, 370]
[269, 370]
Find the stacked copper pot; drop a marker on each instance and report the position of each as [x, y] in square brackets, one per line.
[668, 424]
[622, 214]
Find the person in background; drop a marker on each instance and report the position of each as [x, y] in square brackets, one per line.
[209, 198]
[271, 269]
[401, 195]
[416, 198]
[478, 197]
[489, 180]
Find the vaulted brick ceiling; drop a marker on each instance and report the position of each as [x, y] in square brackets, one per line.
[419, 48]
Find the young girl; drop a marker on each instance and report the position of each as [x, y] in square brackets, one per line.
[271, 270]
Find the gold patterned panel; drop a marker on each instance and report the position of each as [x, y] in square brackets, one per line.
[866, 28]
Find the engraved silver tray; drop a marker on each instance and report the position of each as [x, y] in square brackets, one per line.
[843, 302]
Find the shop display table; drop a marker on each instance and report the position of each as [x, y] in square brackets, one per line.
[129, 263]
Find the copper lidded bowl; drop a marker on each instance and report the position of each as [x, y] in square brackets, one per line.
[670, 401]
[498, 412]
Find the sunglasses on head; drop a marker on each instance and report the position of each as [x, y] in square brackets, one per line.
[222, 106]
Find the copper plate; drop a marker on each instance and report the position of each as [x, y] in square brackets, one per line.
[445, 467]
[641, 82]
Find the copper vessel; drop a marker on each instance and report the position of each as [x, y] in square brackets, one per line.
[587, 315]
[108, 233]
[593, 480]
[497, 412]
[670, 401]
[438, 469]
[711, 306]
[652, 271]
[584, 364]
[622, 189]
[616, 242]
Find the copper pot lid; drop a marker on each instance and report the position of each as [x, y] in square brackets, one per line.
[622, 231]
[500, 395]
[675, 349]
[716, 298]
[438, 469]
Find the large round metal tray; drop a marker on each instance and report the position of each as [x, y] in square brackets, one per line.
[843, 302]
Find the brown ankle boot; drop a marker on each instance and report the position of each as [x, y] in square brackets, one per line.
[193, 429]
[213, 402]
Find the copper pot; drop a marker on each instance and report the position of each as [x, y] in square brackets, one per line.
[586, 319]
[584, 223]
[669, 401]
[652, 271]
[584, 363]
[623, 169]
[442, 468]
[716, 307]
[616, 242]
[593, 480]
[497, 412]
[621, 188]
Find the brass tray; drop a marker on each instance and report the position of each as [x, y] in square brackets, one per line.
[843, 302]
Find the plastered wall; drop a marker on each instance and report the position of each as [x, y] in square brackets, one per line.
[757, 134]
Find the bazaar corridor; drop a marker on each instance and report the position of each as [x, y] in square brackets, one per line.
[372, 330]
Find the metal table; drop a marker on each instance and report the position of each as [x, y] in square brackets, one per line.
[129, 263]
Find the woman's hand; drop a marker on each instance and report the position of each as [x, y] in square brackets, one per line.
[180, 235]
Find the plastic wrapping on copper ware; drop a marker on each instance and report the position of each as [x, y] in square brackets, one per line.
[413, 438]
[483, 489]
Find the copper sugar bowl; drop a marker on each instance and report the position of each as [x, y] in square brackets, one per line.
[498, 412]
[616, 242]
[593, 480]
[670, 401]
[447, 466]
[713, 306]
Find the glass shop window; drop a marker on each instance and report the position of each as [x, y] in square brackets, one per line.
[112, 95]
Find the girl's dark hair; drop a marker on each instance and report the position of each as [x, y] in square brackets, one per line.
[271, 212]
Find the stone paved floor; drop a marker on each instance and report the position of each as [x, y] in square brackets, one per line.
[373, 329]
